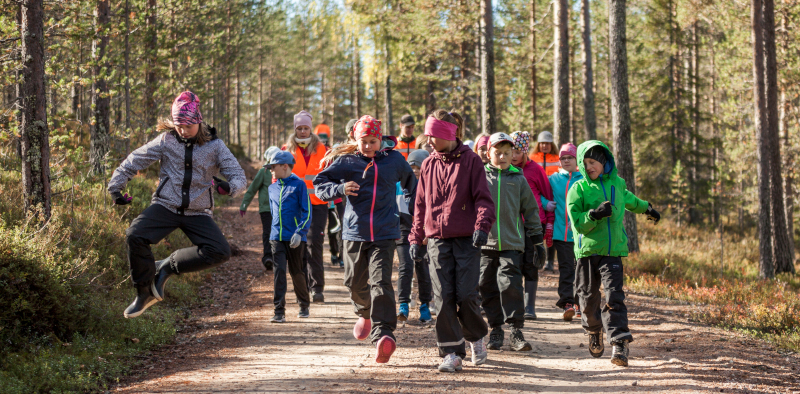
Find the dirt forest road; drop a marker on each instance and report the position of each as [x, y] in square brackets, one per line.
[229, 346]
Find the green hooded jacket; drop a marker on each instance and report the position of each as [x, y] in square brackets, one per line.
[516, 209]
[259, 185]
[605, 237]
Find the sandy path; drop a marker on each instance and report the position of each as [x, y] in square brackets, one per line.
[229, 345]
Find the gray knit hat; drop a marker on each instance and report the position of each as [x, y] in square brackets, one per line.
[416, 157]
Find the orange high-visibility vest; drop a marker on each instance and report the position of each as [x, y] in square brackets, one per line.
[406, 147]
[549, 162]
[310, 171]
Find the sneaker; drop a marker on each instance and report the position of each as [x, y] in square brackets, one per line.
[317, 297]
[596, 347]
[434, 311]
[268, 263]
[496, 339]
[144, 299]
[549, 267]
[402, 313]
[386, 347]
[518, 342]
[619, 355]
[303, 313]
[577, 311]
[424, 313]
[362, 328]
[569, 312]
[451, 363]
[479, 353]
[277, 319]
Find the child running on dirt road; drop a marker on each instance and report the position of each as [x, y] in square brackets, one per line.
[366, 174]
[455, 211]
[597, 205]
[191, 155]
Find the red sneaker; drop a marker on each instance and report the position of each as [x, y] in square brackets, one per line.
[362, 328]
[386, 347]
[569, 312]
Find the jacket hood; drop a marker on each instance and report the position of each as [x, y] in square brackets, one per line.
[611, 167]
[388, 142]
[454, 154]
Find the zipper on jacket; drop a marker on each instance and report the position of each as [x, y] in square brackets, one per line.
[372, 209]
[566, 213]
[608, 219]
[499, 239]
[280, 214]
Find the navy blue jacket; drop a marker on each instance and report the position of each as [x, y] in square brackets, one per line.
[372, 215]
[289, 202]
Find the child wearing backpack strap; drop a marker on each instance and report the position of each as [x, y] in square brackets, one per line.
[366, 174]
[596, 206]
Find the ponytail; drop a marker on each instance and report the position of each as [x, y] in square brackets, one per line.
[348, 148]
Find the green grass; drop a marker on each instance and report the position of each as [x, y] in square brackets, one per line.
[684, 263]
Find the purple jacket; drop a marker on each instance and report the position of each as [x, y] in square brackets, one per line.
[453, 198]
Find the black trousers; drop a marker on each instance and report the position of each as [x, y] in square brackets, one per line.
[266, 228]
[368, 276]
[613, 315]
[551, 254]
[316, 241]
[406, 271]
[154, 224]
[566, 272]
[335, 240]
[501, 287]
[455, 272]
[293, 259]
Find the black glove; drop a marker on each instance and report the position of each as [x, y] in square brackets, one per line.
[479, 238]
[652, 214]
[415, 252]
[603, 211]
[119, 199]
[223, 187]
[541, 256]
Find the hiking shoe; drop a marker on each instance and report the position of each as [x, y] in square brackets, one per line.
[479, 353]
[424, 313]
[495, 339]
[164, 271]
[362, 328]
[530, 313]
[317, 297]
[451, 363]
[402, 313]
[518, 343]
[268, 263]
[386, 347]
[549, 267]
[619, 355]
[577, 311]
[596, 347]
[303, 313]
[144, 299]
[277, 319]
[569, 312]
[433, 310]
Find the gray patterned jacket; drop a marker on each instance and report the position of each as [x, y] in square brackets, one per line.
[186, 172]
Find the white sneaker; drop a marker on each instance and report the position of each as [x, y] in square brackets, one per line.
[479, 353]
[451, 363]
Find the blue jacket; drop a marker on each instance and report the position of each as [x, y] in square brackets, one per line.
[373, 214]
[289, 202]
[560, 182]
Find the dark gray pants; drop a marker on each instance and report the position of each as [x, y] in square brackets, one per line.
[314, 246]
[591, 273]
[566, 272]
[266, 228]
[335, 240]
[457, 268]
[154, 224]
[406, 275]
[501, 287]
[286, 257]
[368, 276]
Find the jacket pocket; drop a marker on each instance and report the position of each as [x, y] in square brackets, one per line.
[211, 199]
[161, 186]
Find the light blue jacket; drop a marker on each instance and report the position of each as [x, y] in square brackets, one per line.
[560, 182]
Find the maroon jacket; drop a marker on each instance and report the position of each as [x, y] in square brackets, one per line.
[453, 198]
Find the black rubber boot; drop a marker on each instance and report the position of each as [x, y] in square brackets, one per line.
[530, 299]
[164, 270]
[144, 299]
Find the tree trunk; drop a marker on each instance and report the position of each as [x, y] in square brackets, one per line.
[357, 77]
[561, 69]
[716, 152]
[260, 108]
[430, 88]
[387, 91]
[151, 53]
[100, 123]
[788, 165]
[238, 93]
[765, 267]
[487, 68]
[589, 118]
[35, 144]
[673, 84]
[620, 109]
[694, 211]
[533, 66]
[127, 70]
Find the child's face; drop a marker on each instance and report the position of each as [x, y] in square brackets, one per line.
[187, 130]
[483, 150]
[500, 155]
[416, 171]
[369, 145]
[441, 145]
[544, 147]
[519, 157]
[281, 171]
[408, 130]
[302, 132]
[593, 168]
[569, 163]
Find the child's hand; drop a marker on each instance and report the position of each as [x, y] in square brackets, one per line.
[548, 235]
[602, 211]
[415, 253]
[295, 241]
[479, 238]
[241, 213]
[223, 187]
[350, 188]
[652, 214]
[551, 206]
[119, 199]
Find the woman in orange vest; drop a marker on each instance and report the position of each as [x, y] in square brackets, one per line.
[308, 152]
[407, 142]
[545, 153]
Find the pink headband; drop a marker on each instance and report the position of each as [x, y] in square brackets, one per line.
[186, 110]
[482, 141]
[440, 129]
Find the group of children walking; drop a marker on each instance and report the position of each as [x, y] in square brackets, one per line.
[474, 225]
